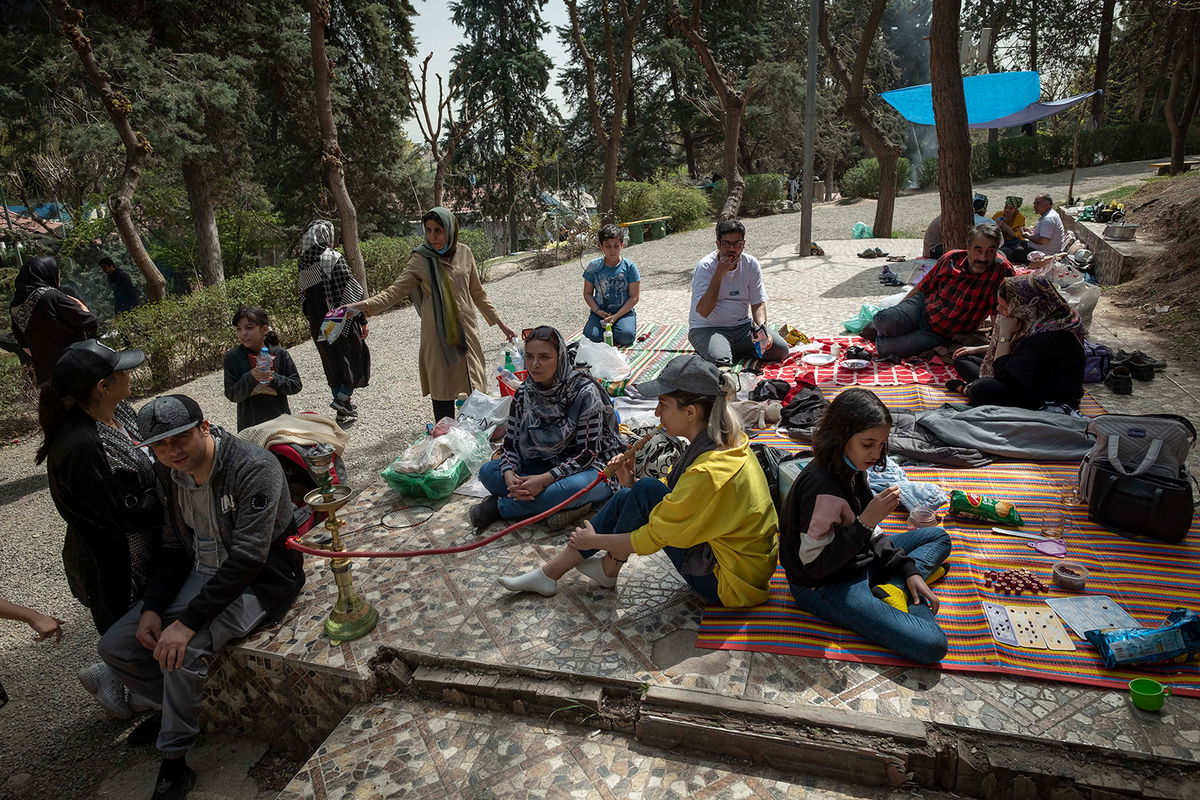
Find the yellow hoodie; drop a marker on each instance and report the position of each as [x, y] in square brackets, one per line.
[722, 499]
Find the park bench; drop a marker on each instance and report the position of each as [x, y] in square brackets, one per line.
[1164, 167]
[642, 229]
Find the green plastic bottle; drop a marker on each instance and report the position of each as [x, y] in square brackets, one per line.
[608, 337]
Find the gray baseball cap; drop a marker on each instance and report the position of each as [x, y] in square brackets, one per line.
[689, 373]
[166, 416]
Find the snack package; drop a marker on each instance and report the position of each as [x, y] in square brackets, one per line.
[984, 507]
[793, 336]
[1178, 640]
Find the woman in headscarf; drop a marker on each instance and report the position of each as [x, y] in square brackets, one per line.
[1035, 359]
[45, 319]
[561, 431]
[1010, 220]
[326, 283]
[443, 282]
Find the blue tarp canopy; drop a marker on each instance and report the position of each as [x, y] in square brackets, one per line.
[989, 97]
[1033, 112]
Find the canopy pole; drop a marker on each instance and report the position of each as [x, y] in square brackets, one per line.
[1075, 158]
[804, 249]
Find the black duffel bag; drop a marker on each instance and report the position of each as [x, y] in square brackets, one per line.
[1140, 505]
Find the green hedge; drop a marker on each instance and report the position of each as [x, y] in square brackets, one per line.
[762, 194]
[862, 180]
[928, 174]
[686, 206]
[186, 336]
[1023, 155]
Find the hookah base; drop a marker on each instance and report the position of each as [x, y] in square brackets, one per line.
[353, 624]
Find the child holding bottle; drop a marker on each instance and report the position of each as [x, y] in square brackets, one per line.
[259, 373]
[611, 288]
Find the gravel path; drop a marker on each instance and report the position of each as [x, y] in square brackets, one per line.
[57, 743]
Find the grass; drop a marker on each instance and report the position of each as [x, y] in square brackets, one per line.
[1122, 193]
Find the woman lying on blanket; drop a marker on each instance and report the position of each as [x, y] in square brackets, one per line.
[839, 566]
[714, 517]
[1036, 356]
[562, 428]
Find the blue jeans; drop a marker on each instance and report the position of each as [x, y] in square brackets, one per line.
[850, 604]
[903, 330]
[629, 509]
[723, 346]
[491, 475]
[624, 329]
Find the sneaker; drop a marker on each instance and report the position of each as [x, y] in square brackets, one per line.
[1121, 356]
[100, 681]
[485, 513]
[938, 573]
[563, 519]
[344, 408]
[175, 780]
[892, 595]
[1119, 380]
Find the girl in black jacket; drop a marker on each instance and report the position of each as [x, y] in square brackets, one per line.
[839, 566]
[260, 395]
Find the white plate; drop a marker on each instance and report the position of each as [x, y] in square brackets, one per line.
[854, 363]
[818, 359]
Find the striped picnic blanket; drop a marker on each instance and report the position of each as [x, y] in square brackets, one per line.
[915, 398]
[1148, 579]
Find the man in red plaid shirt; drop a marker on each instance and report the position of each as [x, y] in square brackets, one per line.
[952, 299]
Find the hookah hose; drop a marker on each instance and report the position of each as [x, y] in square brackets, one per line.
[294, 541]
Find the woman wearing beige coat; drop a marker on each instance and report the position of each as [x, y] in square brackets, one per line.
[443, 282]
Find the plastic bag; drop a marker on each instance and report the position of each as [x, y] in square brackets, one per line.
[893, 299]
[603, 361]
[513, 351]
[1082, 297]
[434, 466]
[484, 411]
[861, 230]
[865, 315]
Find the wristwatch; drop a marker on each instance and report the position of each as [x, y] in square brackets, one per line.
[1004, 339]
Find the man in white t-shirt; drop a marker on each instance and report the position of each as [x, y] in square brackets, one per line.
[1048, 233]
[729, 303]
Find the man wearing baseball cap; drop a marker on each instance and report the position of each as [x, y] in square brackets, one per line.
[223, 570]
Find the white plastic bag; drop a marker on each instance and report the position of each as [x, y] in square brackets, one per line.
[484, 411]
[603, 361]
[1082, 297]
[430, 452]
[893, 299]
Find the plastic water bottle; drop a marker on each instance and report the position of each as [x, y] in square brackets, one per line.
[508, 378]
[508, 360]
[264, 362]
[608, 337]
[458, 401]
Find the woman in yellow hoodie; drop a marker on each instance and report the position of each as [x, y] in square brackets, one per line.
[713, 518]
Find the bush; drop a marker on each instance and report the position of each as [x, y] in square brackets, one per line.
[928, 174]
[760, 196]
[687, 206]
[18, 397]
[636, 200]
[862, 180]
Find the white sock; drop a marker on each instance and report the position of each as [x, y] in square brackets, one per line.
[533, 581]
[594, 569]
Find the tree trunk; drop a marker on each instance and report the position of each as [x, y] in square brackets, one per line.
[950, 114]
[829, 179]
[137, 148]
[1178, 121]
[1100, 84]
[331, 152]
[689, 142]
[208, 242]
[732, 125]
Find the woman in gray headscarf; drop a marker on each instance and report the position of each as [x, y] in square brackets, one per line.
[443, 282]
[561, 431]
[326, 283]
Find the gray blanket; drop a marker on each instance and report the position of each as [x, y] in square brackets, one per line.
[1010, 432]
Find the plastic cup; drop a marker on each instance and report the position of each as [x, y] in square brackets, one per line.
[1148, 695]
[1069, 492]
[1055, 523]
[922, 518]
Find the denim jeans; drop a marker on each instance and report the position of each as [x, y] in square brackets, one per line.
[850, 604]
[491, 475]
[629, 509]
[624, 329]
[903, 330]
[722, 346]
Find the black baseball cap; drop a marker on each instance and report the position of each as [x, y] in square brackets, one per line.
[84, 363]
[167, 416]
[688, 373]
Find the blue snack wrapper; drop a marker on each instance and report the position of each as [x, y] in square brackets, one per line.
[1177, 640]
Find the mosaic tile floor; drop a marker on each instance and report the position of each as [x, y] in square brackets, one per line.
[451, 606]
[402, 748]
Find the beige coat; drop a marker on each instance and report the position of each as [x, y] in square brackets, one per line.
[439, 381]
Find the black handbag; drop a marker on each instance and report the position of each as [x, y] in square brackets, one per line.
[1140, 505]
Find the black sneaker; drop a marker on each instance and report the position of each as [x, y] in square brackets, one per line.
[1119, 380]
[344, 408]
[564, 519]
[486, 512]
[175, 780]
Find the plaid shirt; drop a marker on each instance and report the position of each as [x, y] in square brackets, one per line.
[958, 300]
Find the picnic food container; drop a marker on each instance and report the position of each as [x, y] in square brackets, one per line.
[1069, 575]
[1120, 231]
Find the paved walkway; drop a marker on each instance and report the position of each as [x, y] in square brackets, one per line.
[53, 724]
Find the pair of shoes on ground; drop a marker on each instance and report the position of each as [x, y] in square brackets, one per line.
[888, 278]
[486, 513]
[872, 252]
[539, 582]
[1120, 380]
[896, 258]
[346, 410]
[1140, 365]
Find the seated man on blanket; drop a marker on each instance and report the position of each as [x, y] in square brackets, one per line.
[933, 247]
[951, 300]
[729, 303]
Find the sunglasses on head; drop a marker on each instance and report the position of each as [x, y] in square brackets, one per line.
[542, 332]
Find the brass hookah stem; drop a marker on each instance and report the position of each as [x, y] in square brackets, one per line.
[631, 454]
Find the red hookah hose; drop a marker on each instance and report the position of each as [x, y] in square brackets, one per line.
[294, 541]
